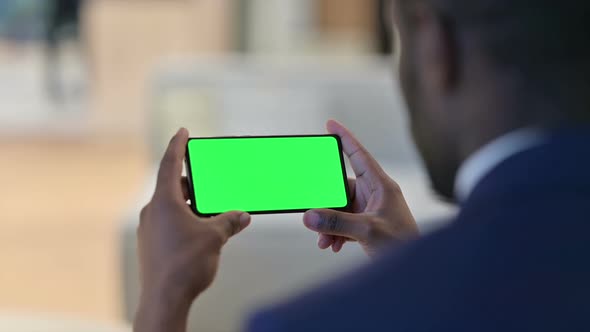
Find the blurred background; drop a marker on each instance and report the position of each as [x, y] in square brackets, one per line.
[91, 91]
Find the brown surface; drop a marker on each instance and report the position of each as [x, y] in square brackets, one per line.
[61, 206]
[347, 16]
[129, 39]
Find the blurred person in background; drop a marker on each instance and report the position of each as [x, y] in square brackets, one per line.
[499, 104]
[384, 29]
[63, 16]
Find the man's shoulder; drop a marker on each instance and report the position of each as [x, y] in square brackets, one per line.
[366, 299]
[472, 271]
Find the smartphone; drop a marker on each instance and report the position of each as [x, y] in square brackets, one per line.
[266, 174]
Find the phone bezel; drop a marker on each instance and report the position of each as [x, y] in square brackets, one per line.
[193, 203]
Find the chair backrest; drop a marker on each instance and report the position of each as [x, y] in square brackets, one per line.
[296, 96]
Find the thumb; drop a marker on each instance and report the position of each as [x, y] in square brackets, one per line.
[354, 226]
[231, 223]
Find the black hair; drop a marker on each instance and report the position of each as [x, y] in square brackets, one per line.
[523, 31]
[545, 41]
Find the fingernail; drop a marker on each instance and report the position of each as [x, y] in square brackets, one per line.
[311, 219]
[245, 219]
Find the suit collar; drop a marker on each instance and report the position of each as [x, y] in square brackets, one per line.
[560, 165]
[483, 161]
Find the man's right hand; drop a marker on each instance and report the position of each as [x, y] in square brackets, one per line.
[378, 216]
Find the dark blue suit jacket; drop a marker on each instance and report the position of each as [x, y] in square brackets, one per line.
[517, 258]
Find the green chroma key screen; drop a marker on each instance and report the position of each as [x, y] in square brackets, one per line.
[266, 174]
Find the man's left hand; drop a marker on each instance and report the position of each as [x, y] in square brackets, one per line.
[178, 251]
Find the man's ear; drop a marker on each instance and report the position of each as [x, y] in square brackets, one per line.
[435, 49]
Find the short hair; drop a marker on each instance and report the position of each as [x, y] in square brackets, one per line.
[522, 32]
[544, 42]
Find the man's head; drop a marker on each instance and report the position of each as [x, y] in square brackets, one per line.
[472, 70]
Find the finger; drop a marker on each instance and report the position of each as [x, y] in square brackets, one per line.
[354, 205]
[361, 160]
[170, 172]
[325, 241]
[185, 190]
[231, 223]
[352, 186]
[338, 244]
[330, 222]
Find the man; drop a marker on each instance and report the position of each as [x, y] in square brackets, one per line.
[61, 14]
[499, 100]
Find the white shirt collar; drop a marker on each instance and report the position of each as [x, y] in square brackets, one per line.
[484, 160]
